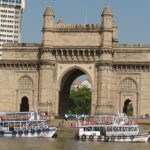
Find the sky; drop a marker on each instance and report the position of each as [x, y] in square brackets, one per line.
[132, 17]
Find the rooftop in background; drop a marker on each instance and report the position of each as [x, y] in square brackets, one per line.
[82, 81]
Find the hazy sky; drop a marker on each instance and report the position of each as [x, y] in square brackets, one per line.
[132, 17]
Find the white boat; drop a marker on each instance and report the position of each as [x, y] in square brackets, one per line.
[25, 124]
[116, 131]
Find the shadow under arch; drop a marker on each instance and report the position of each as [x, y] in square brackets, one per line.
[24, 106]
[65, 83]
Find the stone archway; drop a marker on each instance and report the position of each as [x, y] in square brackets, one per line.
[24, 106]
[65, 85]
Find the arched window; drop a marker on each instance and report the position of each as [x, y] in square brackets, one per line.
[24, 106]
[128, 85]
[25, 83]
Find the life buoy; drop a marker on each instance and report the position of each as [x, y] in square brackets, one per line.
[20, 132]
[32, 131]
[43, 130]
[91, 137]
[83, 137]
[14, 132]
[26, 132]
[124, 137]
[119, 137]
[38, 131]
[47, 129]
[106, 139]
[112, 137]
[132, 137]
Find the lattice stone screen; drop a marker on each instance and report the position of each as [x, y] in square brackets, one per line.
[25, 83]
[128, 85]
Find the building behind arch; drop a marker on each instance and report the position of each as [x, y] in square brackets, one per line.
[37, 76]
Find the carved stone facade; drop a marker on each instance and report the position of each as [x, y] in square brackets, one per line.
[40, 75]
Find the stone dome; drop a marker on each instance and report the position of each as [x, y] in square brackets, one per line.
[107, 10]
[49, 10]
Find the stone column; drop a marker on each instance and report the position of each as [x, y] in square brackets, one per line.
[104, 89]
[46, 87]
[104, 81]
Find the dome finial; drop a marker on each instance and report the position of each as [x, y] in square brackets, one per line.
[107, 9]
[49, 10]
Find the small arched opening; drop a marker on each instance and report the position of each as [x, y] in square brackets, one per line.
[24, 106]
[128, 107]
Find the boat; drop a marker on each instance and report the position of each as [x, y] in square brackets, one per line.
[25, 124]
[118, 130]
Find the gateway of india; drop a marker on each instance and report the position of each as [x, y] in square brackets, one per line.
[39, 76]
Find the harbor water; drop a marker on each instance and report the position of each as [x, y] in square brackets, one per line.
[61, 143]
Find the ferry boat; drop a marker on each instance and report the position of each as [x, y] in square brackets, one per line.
[118, 131]
[25, 124]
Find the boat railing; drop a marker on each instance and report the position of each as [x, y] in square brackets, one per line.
[106, 120]
[21, 116]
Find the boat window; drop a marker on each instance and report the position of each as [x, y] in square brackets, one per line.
[109, 129]
[130, 129]
[96, 129]
[88, 129]
[135, 129]
[102, 128]
[115, 129]
[123, 129]
[5, 124]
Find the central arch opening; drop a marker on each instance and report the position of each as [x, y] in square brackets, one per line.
[66, 102]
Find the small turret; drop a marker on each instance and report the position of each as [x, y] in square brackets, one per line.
[48, 17]
[48, 26]
[107, 10]
[106, 27]
[107, 17]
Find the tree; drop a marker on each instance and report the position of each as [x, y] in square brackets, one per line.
[129, 110]
[80, 101]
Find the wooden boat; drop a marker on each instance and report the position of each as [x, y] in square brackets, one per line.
[25, 124]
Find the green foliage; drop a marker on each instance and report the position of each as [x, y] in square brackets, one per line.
[129, 110]
[80, 101]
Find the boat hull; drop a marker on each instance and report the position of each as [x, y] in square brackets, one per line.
[135, 138]
[45, 134]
